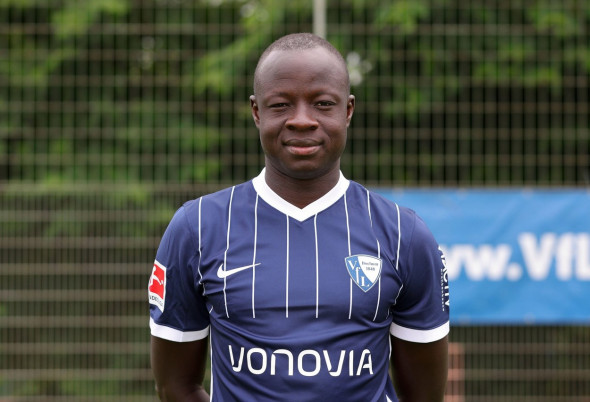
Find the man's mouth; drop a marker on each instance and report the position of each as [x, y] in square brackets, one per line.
[302, 147]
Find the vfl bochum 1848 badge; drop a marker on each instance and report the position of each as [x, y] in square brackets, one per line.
[364, 270]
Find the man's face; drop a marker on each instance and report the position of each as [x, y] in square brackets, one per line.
[302, 110]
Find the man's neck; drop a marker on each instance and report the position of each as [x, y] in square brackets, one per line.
[301, 192]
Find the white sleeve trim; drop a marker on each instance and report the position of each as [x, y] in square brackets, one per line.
[175, 335]
[419, 335]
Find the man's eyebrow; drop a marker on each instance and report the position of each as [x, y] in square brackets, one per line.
[317, 93]
[270, 94]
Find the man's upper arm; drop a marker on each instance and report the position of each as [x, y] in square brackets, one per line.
[419, 369]
[179, 369]
[420, 324]
[179, 320]
[421, 310]
[177, 306]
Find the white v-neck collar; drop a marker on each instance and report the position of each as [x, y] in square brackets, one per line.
[300, 214]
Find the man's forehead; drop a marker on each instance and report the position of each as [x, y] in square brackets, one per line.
[318, 57]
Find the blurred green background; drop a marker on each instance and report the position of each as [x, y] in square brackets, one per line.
[114, 112]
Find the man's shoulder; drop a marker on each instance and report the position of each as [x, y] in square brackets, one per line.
[384, 210]
[222, 196]
[214, 208]
[377, 199]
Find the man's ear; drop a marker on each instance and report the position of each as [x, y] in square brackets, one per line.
[349, 109]
[255, 110]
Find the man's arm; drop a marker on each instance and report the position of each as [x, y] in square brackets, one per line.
[419, 369]
[179, 369]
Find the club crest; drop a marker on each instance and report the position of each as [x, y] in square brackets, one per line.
[364, 270]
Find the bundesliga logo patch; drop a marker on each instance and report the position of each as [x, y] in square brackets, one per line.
[364, 270]
[157, 286]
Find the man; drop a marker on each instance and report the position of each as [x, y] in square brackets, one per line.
[307, 284]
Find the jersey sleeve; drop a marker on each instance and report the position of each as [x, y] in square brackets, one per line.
[421, 311]
[177, 308]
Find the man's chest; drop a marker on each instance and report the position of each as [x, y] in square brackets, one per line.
[276, 269]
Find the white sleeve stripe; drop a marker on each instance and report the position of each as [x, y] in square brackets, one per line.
[399, 237]
[317, 267]
[287, 273]
[175, 335]
[419, 335]
[200, 254]
[231, 198]
[378, 255]
[254, 256]
[349, 253]
[369, 207]
[211, 363]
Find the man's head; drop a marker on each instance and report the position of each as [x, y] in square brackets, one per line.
[302, 107]
[298, 42]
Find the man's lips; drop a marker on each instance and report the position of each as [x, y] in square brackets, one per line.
[302, 147]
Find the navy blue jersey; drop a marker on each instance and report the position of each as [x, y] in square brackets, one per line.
[299, 303]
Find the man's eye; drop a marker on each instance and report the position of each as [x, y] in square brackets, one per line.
[325, 103]
[278, 105]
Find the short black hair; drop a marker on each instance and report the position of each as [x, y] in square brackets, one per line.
[300, 41]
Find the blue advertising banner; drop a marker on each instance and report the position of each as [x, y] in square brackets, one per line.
[513, 256]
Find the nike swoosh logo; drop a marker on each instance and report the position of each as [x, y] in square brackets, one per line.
[224, 273]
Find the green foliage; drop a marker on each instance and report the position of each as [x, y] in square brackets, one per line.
[77, 16]
[217, 69]
[404, 15]
[155, 91]
[558, 18]
[20, 3]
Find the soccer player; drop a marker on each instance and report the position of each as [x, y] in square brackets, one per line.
[307, 285]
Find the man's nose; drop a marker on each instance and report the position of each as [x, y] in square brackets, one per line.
[302, 118]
